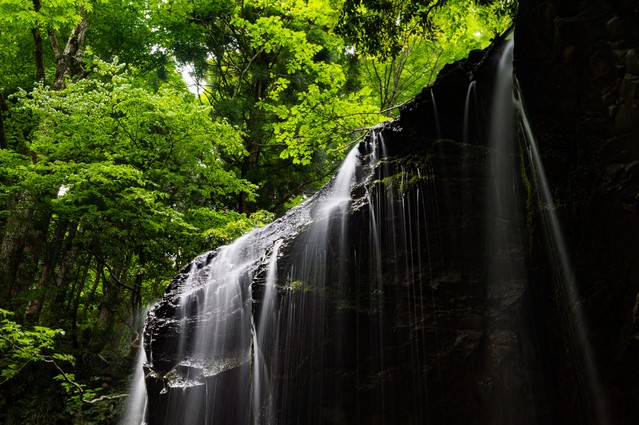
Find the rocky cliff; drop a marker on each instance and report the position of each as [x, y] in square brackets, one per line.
[578, 69]
[414, 317]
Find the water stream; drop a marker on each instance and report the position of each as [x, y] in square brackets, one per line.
[581, 348]
[506, 365]
[470, 109]
[136, 402]
[226, 354]
[337, 314]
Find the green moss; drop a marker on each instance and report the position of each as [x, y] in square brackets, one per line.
[298, 285]
[530, 191]
[404, 181]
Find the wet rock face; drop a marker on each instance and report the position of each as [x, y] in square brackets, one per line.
[401, 329]
[580, 76]
[395, 335]
[410, 326]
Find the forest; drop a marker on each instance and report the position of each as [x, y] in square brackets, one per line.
[135, 135]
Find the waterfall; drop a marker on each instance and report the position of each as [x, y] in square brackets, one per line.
[506, 365]
[264, 339]
[262, 331]
[223, 352]
[135, 408]
[369, 305]
[506, 269]
[581, 350]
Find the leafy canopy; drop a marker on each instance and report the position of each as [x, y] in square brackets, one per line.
[381, 28]
[20, 347]
[279, 73]
[127, 163]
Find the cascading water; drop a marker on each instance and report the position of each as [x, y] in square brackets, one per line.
[260, 329]
[264, 339]
[218, 343]
[506, 364]
[366, 305]
[506, 271]
[325, 237]
[582, 350]
[334, 317]
[135, 408]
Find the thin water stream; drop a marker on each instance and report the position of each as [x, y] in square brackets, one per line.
[582, 350]
[438, 130]
[135, 407]
[506, 365]
[469, 110]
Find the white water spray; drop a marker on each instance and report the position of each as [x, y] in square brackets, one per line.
[136, 402]
[265, 337]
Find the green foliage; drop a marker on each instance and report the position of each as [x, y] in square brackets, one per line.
[322, 120]
[110, 185]
[300, 286]
[122, 153]
[382, 28]
[120, 28]
[126, 164]
[398, 74]
[20, 20]
[221, 229]
[278, 72]
[131, 184]
[20, 346]
[115, 162]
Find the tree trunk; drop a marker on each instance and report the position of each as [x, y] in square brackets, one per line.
[78, 286]
[81, 280]
[37, 40]
[70, 253]
[11, 250]
[69, 60]
[112, 285]
[34, 247]
[3, 112]
[94, 287]
[47, 274]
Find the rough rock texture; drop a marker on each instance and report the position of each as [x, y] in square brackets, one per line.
[404, 328]
[420, 322]
[577, 66]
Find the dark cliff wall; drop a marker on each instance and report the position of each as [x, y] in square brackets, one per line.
[405, 328]
[578, 66]
[419, 325]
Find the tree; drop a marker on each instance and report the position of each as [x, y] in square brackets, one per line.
[277, 72]
[381, 28]
[20, 346]
[53, 19]
[412, 58]
[117, 162]
[114, 188]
